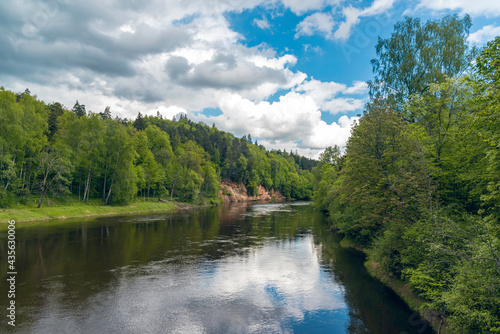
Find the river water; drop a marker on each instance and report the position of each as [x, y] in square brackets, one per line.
[261, 268]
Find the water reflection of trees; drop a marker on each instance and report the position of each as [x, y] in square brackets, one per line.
[73, 261]
[373, 308]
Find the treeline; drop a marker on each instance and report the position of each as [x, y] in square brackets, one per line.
[418, 185]
[47, 151]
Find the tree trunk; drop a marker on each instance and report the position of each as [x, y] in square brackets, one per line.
[104, 185]
[113, 177]
[41, 196]
[87, 186]
[172, 192]
[110, 187]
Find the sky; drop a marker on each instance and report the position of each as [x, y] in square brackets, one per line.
[291, 73]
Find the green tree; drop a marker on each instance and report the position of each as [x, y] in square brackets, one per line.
[54, 169]
[55, 110]
[79, 109]
[487, 86]
[139, 122]
[122, 188]
[417, 55]
[383, 181]
[445, 121]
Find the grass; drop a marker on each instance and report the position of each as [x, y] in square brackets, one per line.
[72, 208]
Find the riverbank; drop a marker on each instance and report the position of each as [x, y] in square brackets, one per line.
[433, 317]
[81, 210]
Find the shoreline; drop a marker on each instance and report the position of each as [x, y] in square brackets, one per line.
[432, 317]
[48, 213]
[81, 210]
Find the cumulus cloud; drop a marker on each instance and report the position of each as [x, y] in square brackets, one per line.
[352, 17]
[478, 7]
[326, 95]
[358, 87]
[222, 71]
[300, 7]
[262, 23]
[292, 123]
[331, 134]
[288, 119]
[485, 34]
[321, 23]
[179, 57]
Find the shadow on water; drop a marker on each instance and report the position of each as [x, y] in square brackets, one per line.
[260, 268]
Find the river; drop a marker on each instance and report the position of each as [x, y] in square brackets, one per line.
[259, 268]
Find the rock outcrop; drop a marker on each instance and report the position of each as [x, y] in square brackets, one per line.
[234, 192]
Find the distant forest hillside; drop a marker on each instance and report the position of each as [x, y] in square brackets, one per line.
[48, 150]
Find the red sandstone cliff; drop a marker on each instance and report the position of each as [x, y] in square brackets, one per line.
[234, 192]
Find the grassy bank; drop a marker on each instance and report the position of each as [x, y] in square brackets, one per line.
[415, 303]
[27, 213]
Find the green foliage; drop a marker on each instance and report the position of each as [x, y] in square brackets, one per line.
[79, 109]
[455, 151]
[417, 55]
[487, 87]
[474, 298]
[421, 193]
[383, 179]
[48, 151]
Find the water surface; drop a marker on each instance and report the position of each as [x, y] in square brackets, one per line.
[264, 268]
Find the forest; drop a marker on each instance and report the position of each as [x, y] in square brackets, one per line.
[418, 184]
[49, 154]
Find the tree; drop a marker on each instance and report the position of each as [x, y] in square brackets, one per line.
[331, 155]
[139, 122]
[383, 180]
[79, 109]
[55, 110]
[122, 187]
[487, 86]
[54, 168]
[445, 122]
[147, 163]
[325, 175]
[106, 113]
[417, 55]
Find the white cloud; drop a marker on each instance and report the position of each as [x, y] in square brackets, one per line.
[321, 23]
[294, 147]
[487, 8]
[352, 17]
[262, 23]
[296, 117]
[288, 119]
[316, 49]
[321, 91]
[343, 105]
[325, 95]
[378, 7]
[179, 58]
[299, 7]
[485, 34]
[359, 87]
[331, 134]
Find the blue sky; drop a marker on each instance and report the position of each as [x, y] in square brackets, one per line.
[290, 72]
